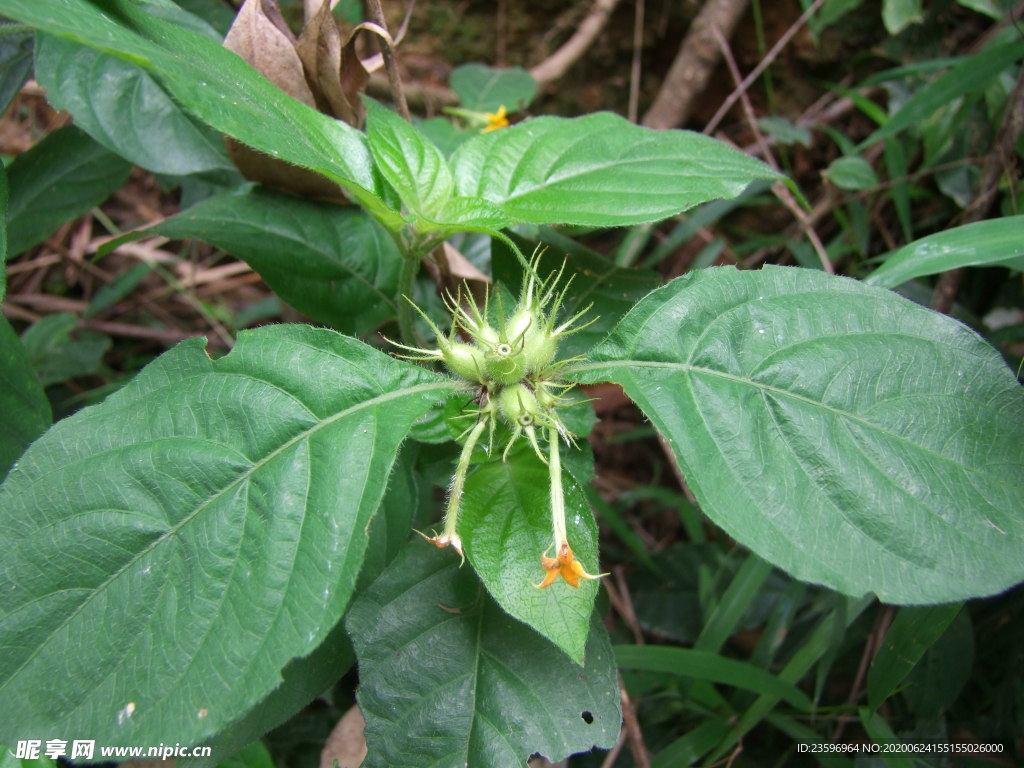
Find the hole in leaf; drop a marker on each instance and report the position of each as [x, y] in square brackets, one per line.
[587, 716]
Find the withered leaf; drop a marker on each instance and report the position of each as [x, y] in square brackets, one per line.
[256, 38]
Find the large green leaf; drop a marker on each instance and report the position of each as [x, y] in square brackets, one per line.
[171, 549]
[993, 242]
[411, 163]
[22, 399]
[599, 170]
[125, 109]
[843, 433]
[216, 86]
[449, 679]
[60, 178]
[505, 526]
[306, 678]
[333, 263]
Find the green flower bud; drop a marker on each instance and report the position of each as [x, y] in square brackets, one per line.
[505, 363]
[539, 347]
[519, 405]
[465, 361]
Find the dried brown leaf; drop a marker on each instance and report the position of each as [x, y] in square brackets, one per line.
[261, 42]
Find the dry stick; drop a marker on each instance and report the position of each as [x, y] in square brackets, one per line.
[871, 647]
[641, 757]
[611, 757]
[558, 63]
[780, 190]
[1002, 159]
[397, 92]
[636, 65]
[762, 66]
[694, 64]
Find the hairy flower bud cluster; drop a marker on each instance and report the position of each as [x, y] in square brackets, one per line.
[511, 359]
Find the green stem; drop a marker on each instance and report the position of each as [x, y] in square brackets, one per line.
[406, 282]
[451, 515]
[557, 496]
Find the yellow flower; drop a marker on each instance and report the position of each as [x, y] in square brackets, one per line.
[565, 564]
[496, 120]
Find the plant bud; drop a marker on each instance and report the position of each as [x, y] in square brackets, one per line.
[539, 347]
[522, 320]
[465, 361]
[506, 363]
[519, 405]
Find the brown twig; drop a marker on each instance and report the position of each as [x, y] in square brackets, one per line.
[694, 64]
[635, 737]
[1002, 160]
[743, 85]
[635, 67]
[558, 63]
[390, 65]
[779, 188]
[871, 647]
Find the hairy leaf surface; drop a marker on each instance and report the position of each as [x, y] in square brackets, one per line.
[843, 433]
[505, 526]
[168, 551]
[125, 109]
[448, 679]
[599, 170]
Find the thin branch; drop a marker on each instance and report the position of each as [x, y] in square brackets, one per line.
[694, 64]
[636, 65]
[558, 63]
[390, 66]
[762, 66]
[779, 188]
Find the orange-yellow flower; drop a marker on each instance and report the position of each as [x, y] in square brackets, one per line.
[496, 120]
[565, 564]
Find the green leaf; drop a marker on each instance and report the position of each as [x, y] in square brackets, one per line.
[253, 755]
[599, 170]
[306, 678]
[218, 87]
[22, 399]
[332, 263]
[123, 107]
[983, 243]
[411, 163]
[844, 434]
[486, 89]
[15, 63]
[59, 179]
[935, 682]
[8, 759]
[852, 173]
[505, 525]
[969, 76]
[449, 679]
[712, 667]
[173, 548]
[785, 131]
[58, 351]
[897, 15]
[913, 632]
[302, 680]
[4, 199]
